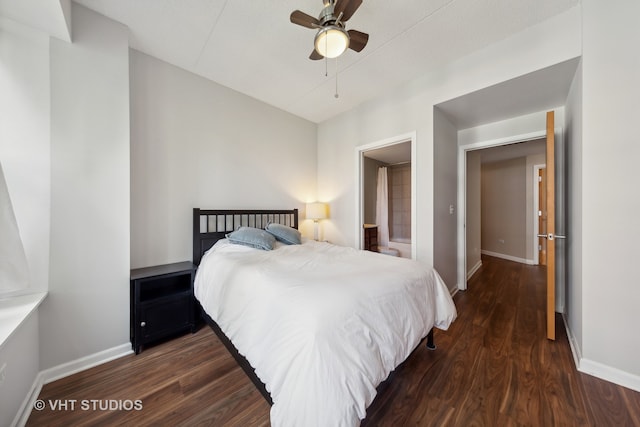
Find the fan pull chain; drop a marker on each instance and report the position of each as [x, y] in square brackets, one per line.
[326, 60]
[336, 95]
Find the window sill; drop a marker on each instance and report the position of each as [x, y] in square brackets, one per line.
[14, 311]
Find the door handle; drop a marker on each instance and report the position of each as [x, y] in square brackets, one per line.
[551, 236]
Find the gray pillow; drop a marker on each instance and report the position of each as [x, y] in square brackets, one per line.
[285, 234]
[253, 237]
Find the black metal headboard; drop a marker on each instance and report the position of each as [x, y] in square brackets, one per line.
[209, 226]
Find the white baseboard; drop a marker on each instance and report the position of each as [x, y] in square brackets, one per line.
[25, 409]
[508, 257]
[64, 370]
[70, 368]
[607, 373]
[599, 370]
[474, 269]
[575, 349]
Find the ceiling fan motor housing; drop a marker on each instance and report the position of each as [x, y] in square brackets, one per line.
[326, 14]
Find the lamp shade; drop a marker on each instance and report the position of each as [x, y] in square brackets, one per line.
[331, 41]
[316, 211]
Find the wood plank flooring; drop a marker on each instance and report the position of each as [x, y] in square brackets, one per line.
[493, 367]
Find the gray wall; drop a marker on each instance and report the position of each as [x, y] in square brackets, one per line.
[503, 208]
[195, 143]
[445, 179]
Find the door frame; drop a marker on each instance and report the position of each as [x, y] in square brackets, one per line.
[359, 158]
[536, 208]
[462, 192]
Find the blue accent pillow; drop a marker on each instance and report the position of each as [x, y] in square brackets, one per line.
[253, 237]
[285, 234]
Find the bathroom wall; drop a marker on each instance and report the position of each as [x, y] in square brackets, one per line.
[399, 177]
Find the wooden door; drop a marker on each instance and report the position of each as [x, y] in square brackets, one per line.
[550, 228]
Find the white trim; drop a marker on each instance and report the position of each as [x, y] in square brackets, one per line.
[607, 373]
[474, 269]
[599, 370]
[359, 217]
[83, 363]
[453, 292]
[65, 370]
[25, 409]
[575, 348]
[15, 310]
[508, 257]
[462, 192]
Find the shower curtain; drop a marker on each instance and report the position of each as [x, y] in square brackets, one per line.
[382, 208]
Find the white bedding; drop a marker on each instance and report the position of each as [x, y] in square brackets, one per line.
[321, 324]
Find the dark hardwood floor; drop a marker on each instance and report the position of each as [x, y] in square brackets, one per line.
[493, 367]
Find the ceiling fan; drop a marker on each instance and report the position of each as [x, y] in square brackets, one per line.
[332, 39]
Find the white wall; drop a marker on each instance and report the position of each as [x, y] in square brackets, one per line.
[20, 353]
[195, 143]
[25, 157]
[24, 140]
[410, 108]
[610, 173]
[87, 309]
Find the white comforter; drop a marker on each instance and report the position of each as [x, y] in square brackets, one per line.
[322, 325]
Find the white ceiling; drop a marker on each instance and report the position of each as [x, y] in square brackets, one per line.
[52, 17]
[251, 47]
[391, 154]
[513, 151]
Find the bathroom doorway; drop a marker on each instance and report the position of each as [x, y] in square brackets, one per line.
[386, 201]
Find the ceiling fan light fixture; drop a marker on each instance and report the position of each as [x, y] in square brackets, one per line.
[331, 41]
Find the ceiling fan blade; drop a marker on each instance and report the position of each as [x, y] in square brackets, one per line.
[301, 18]
[347, 7]
[357, 40]
[315, 55]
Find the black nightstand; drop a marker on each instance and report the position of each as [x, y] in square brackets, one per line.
[162, 302]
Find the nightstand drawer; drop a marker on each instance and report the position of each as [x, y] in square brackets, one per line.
[167, 315]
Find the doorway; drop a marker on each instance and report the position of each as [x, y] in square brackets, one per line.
[397, 156]
[465, 260]
[501, 202]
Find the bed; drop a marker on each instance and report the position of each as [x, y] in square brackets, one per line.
[317, 327]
